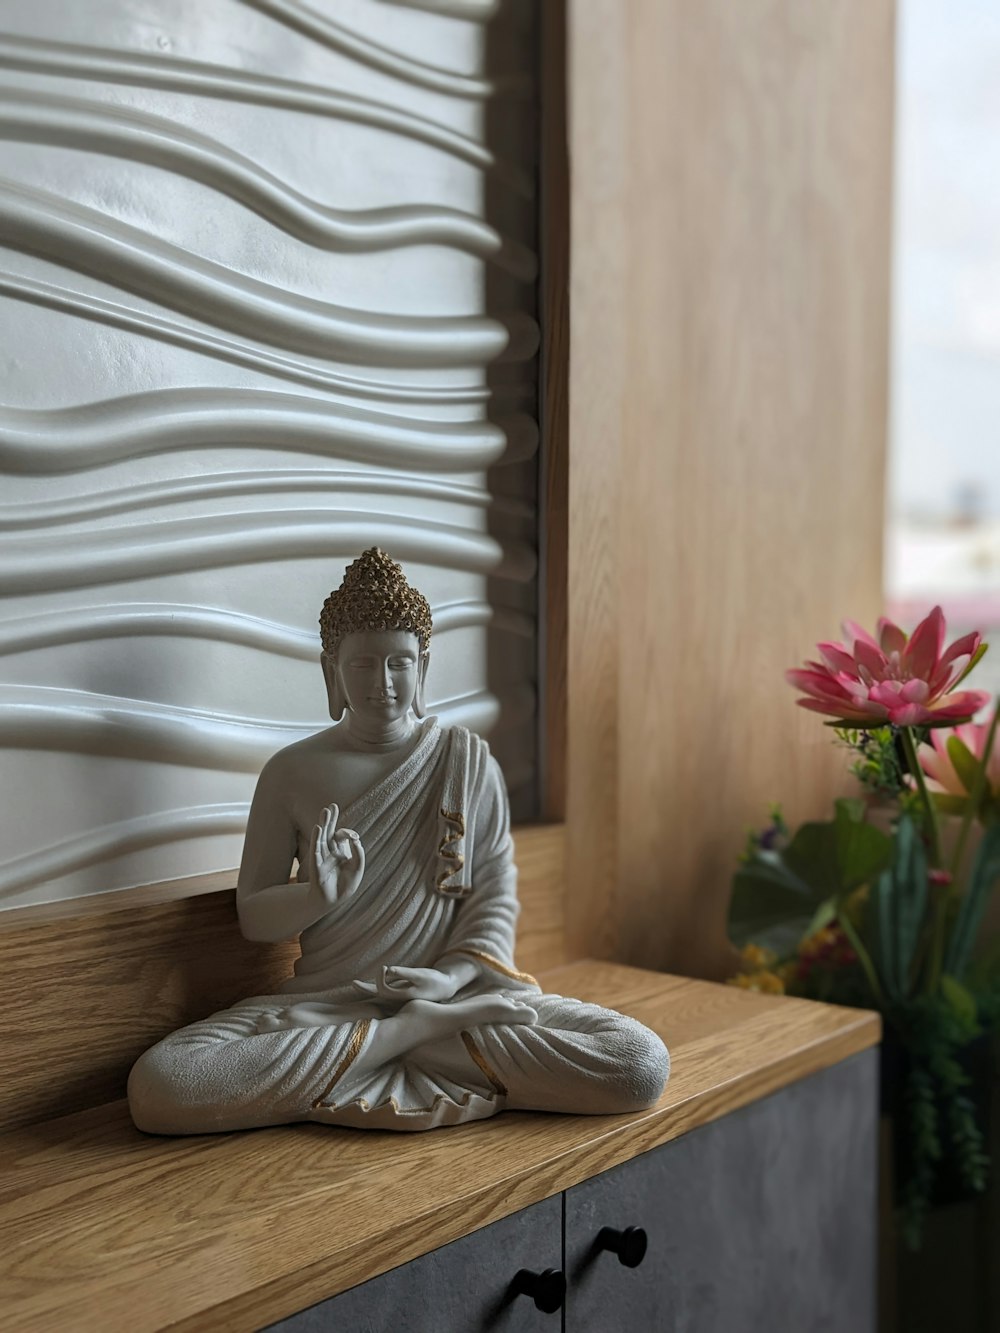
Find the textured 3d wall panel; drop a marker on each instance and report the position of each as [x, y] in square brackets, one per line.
[267, 296]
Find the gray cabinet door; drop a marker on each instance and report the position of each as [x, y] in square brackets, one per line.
[761, 1222]
[463, 1287]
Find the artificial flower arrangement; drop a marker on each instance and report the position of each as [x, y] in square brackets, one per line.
[883, 905]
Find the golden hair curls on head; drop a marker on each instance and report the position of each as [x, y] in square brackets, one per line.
[374, 596]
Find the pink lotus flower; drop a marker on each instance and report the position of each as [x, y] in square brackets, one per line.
[939, 765]
[894, 679]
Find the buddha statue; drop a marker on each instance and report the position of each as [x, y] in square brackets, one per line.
[406, 1010]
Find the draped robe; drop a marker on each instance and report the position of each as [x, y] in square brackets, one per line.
[439, 881]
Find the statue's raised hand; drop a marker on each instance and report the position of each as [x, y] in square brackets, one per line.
[336, 858]
[409, 983]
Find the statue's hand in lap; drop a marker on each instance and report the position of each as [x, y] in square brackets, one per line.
[432, 1021]
[409, 983]
[336, 858]
[426, 1020]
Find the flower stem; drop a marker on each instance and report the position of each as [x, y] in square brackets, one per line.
[935, 961]
[864, 958]
[930, 815]
[975, 798]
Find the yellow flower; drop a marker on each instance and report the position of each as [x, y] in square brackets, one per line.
[819, 942]
[770, 983]
[766, 982]
[755, 957]
[742, 979]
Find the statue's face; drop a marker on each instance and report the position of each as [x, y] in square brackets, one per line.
[379, 671]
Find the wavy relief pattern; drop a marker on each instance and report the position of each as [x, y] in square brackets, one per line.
[130, 620]
[99, 310]
[132, 474]
[102, 64]
[338, 38]
[37, 717]
[128, 836]
[113, 840]
[86, 624]
[177, 545]
[73, 122]
[116, 252]
[39, 442]
[476, 11]
[309, 483]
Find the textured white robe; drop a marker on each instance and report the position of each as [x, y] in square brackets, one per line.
[439, 880]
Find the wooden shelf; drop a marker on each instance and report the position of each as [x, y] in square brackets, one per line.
[105, 1228]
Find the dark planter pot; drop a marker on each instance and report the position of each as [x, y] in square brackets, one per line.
[977, 1061]
[953, 1281]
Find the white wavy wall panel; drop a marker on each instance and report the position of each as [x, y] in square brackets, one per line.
[266, 297]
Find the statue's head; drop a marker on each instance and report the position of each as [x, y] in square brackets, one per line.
[376, 633]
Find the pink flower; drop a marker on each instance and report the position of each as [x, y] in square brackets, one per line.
[898, 680]
[939, 766]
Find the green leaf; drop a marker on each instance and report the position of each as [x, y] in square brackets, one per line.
[882, 942]
[769, 900]
[982, 880]
[838, 856]
[960, 1000]
[965, 762]
[910, 884]
[900, 904]
[779, 896]
[824, 914]
[973, 660]
[862, 849]
[852, 808]
[948, 804]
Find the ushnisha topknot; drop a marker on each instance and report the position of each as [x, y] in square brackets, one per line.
[374, 596]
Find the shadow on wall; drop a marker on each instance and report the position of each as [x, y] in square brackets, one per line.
[515, 668]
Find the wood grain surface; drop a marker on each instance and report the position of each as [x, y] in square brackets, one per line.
[103, 1228]
[729, 296]
[83, 994]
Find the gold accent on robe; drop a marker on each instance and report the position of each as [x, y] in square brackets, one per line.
[356, 1041]
[492, 1077]
[454, 861]
[496, 965]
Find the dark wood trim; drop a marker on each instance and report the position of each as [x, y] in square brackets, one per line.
[554, 410]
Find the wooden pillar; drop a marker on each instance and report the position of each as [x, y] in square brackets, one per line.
[729, 294]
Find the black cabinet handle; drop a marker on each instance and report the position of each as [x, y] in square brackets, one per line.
[629, 1245]
[547, 1290]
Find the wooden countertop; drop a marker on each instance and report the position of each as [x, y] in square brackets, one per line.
[102, 1227]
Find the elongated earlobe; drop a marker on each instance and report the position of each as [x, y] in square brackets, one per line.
[419, 696]
[334, 690]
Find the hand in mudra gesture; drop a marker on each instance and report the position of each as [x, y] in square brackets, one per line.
[336, 858]
[408, 983]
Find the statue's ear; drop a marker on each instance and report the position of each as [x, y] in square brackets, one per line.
[334, 689]
[419, 696]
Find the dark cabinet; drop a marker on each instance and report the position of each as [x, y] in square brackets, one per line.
[760, 1222]
[464, 1287]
